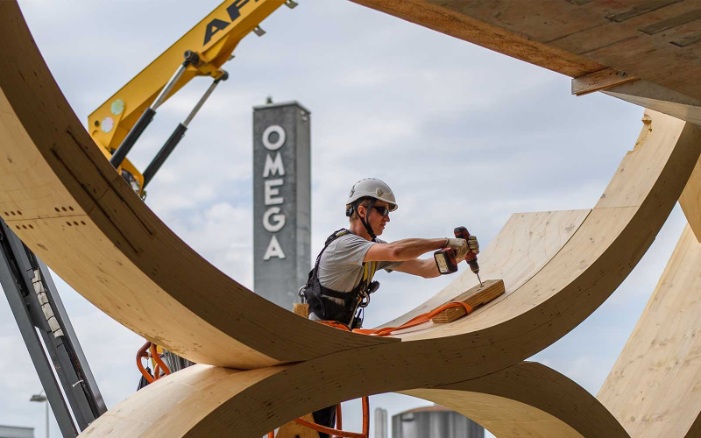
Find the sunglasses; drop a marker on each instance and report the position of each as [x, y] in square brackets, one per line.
[384, 211]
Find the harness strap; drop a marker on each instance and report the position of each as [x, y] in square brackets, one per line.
[364, 221]
[359, 296]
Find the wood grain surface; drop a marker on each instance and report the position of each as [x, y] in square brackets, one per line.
[654, 386]
[656, 42]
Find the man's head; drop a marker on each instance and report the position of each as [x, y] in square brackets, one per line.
[370, 201]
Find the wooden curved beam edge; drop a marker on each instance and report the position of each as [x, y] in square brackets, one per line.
[653, 387]
[66, 202]
[526, 243]
[690, 201]
[527, 398]
[594, 259]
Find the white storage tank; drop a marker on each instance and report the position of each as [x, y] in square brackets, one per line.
[434, 422]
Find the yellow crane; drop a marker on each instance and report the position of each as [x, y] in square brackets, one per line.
[119, 121]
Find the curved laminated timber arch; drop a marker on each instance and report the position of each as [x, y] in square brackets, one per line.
[64, 200]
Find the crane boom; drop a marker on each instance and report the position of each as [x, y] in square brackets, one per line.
[213, 39]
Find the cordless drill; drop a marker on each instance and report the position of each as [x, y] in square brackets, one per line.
[471, 257]
[445, 258]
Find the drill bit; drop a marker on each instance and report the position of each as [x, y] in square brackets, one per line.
[478, 278]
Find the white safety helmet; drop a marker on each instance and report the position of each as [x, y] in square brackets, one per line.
[371, 188]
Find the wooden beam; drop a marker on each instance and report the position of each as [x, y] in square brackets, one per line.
[690, 201]
[527, 400]
[600, 80]
[653, 386]
[474, 297]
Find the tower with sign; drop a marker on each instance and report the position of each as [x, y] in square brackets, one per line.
[281, 201]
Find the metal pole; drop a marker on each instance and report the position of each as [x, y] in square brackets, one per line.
[47, 417]
[177, 135]
[204, 98]
[121, 153]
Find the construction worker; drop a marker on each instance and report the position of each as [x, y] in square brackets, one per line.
[342, 279]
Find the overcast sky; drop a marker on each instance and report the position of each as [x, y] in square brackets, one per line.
[463, 135]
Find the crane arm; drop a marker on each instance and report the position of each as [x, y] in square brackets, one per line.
[213, 39]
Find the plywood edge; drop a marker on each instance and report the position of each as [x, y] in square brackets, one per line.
[523, 246]
[466, 28]
[527, 399]
[600, 80]
[604, 249]
[652, 386]
[652, 96]
[690, 200]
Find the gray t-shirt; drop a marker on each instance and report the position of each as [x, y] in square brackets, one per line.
[341, 264]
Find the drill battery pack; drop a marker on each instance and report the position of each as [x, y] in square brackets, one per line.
[445, 261]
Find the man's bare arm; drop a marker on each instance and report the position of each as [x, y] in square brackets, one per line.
[403, 250]
[425, 268]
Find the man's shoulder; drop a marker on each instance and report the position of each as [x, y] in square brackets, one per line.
[348, 239]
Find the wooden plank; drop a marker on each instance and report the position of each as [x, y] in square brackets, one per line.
[527, 400]
[655, 97]
[572, 37]
[474, 298]
[600, 80]
[523, 246]
[458, 23]
[654, 59]
[618, 22]
[690, 201]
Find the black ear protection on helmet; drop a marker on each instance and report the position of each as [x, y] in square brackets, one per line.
[354, 207]
[350, 209]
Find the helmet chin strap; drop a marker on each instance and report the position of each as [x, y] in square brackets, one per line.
[367, 226]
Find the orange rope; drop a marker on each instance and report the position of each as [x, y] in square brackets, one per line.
[339, 423]
[338, 433]
[417, 320]
[160, 365]
[366, 416]
[160, 368]
[141, 354]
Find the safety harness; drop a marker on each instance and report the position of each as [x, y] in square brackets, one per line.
[323, 301]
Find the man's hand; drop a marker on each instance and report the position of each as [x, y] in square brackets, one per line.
[460, 246]
[473, 244]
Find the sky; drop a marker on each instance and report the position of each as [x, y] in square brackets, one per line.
[463, 135]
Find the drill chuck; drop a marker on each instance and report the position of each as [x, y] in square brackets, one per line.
[471, 258]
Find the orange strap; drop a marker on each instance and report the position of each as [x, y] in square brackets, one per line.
[338, 433]
[417, 320]
[420, 319]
